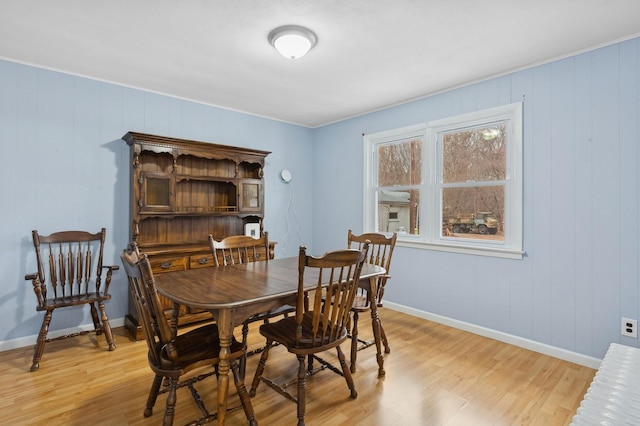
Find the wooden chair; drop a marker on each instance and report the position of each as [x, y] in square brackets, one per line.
[380, 252]
[321, 318]
[239, 249]
[171, 356]
[243, 249]
[69, 257]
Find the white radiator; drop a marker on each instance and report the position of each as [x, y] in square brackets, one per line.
[613, 398]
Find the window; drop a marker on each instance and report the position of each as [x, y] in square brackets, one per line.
[453, 184]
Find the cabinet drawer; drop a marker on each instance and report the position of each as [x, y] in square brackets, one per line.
[161, 265]
[261, 254]
[201, 260]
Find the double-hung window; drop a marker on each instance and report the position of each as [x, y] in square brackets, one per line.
[453, 184]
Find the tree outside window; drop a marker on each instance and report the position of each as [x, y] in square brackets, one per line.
[399, 179]
[473, 179]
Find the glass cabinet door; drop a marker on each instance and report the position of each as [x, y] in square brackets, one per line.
[157, 192]
[251, 195]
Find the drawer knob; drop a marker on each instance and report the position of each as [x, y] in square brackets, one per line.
[203, 260]
[166, 265]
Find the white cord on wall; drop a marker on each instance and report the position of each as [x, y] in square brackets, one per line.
[286, 177]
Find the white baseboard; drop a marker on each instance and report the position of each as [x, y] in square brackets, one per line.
[21, 342]
[521, 342]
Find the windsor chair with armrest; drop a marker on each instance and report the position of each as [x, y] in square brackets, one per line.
[67, 262]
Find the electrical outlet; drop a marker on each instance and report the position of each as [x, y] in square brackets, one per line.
[629, 328]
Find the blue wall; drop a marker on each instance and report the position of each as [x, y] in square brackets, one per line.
[581, 199]
[66, 167]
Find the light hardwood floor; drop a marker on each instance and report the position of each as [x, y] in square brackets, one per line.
[436, 375]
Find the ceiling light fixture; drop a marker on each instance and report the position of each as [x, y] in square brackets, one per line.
[292, 41]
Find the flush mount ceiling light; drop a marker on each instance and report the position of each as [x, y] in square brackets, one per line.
[292, 41]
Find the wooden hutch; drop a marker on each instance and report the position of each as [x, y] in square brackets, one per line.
[182, 191]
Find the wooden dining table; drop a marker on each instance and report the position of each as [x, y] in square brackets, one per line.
[233, 293]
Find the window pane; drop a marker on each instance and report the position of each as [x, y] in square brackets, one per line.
[400, 163]
[473, 212]
[474, 154]
[398, 211]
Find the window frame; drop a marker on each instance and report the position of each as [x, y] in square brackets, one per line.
[430, 236]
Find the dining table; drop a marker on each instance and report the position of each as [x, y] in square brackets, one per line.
[233, 293]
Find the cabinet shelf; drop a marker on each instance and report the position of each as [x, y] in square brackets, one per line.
[172, 215]
[200, 178]
[209, 211]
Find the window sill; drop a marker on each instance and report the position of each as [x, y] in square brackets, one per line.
[500, 252]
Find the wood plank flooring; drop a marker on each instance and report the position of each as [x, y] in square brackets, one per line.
[436, 375]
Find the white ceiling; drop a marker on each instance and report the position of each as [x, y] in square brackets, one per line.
[370, 53]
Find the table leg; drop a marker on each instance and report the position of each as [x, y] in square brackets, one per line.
[225, 331]
[375, 323]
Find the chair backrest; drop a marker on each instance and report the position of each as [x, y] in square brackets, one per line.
[337, 275]
[380, 252]
[239, 249]
[157, 331]
[67, 261]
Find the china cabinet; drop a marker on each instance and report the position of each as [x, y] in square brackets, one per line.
[184, 190]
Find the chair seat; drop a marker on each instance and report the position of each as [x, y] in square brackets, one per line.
[360, 303]
[284, 331]
[286, 309]
[201, 345]
[80, 299]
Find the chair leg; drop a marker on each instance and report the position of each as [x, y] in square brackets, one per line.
[153, 395]
[243, 358]
[302, 383]
[347, 373]
[172, 398]
[260, 368]
[243, 394]
[310, 364]
[106, 327]
[383, 336]
[42, 339]
[354, 342]
[97, 326]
